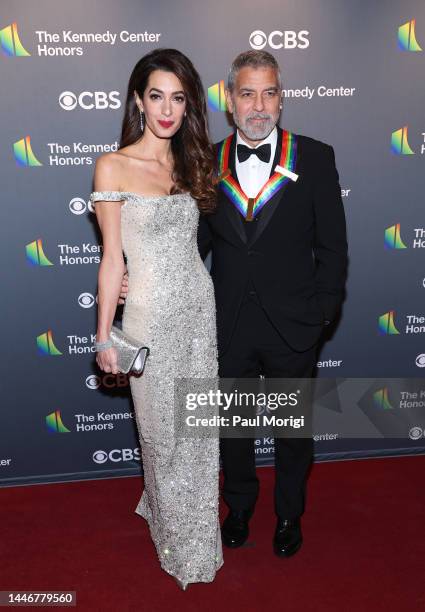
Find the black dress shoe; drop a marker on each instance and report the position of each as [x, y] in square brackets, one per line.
[287, 538]
[235, 529]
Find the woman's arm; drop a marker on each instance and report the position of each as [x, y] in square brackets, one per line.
[112, 266]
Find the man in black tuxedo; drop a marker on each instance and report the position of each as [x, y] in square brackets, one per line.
[279, 257]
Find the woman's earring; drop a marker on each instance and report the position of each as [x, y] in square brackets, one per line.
[142, 121]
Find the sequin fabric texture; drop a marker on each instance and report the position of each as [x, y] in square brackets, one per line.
[170, 307]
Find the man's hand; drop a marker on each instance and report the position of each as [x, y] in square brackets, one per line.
[124, 289]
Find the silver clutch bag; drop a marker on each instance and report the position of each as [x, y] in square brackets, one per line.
[131, 354]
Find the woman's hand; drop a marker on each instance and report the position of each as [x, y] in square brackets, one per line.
[107, 360]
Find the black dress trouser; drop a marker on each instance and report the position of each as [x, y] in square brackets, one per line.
[257, 348]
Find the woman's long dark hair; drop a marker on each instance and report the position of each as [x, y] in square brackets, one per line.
[193, 153]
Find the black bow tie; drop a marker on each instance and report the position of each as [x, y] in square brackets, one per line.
[263, 152]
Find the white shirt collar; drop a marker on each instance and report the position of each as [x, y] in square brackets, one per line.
[252, 174]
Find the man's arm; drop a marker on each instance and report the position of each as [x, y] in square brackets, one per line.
[330, 247]
[204, 236]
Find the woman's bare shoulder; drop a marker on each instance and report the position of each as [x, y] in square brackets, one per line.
[110, 170]
[110, 163]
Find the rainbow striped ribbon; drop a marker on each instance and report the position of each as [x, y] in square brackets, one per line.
[250, 207]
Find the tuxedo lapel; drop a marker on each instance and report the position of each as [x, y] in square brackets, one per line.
[270, 207]
[233, 214]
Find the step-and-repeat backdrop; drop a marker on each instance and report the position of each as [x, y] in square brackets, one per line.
[353, 77]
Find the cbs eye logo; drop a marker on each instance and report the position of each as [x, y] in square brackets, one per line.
[68, 100]
[86, 300]
[89, 100]
[420, 360]
[100, 456]
[258, 40]
[78, 206]
[415, 433]
[93, 382]
[288, 39]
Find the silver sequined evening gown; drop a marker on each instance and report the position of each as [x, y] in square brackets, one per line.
[170, 307]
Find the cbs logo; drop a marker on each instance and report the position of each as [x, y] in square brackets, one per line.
[117, 455]
[416, 433]
[278, 39]
[420, 360]
[86, 300]
[93, 382]
[89, 100]
[78, 206]
[109, 381]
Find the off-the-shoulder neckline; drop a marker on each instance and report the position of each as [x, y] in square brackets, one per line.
[145, 197]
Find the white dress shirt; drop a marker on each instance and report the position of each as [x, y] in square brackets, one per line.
[254, 173]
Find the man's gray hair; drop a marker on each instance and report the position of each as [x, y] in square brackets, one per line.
[254, 59]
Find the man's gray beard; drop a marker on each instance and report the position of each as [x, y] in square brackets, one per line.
[253, 133]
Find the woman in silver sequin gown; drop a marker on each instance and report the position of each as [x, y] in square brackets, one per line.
[170, 307]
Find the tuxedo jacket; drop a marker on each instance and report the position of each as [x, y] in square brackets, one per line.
[294, 256]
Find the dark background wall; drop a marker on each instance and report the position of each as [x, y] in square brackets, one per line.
[60, 418]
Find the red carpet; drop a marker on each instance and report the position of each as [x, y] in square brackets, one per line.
[364, 546]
